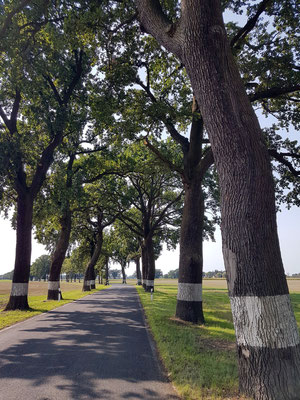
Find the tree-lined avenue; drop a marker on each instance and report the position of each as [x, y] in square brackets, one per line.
[95, 348]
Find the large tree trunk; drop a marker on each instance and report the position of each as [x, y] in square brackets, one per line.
[266, 330]
[123, 265]
[150, 264]
[54, 292]
[138, 270]
[144, 266]
[89, 277]
[106, 273]
[189, 297]
[19, 292]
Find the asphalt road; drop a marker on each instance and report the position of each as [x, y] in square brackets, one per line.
[95, 348]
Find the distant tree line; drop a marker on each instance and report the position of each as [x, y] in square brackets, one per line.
[173, 274]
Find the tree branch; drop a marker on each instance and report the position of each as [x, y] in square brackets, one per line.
[87, 151]
[279, 157]
[14, 112]
[205, 163]
[273, 92]
[196, 137]
[183, 141]
[99, 176]
[154, 21]
[76, 77]
[161, 157]
[11, 123]
[10, 16]
[53, 87]
[4, 117]
[137, 230]
[250, 23]
[126, 22]
[163, 213]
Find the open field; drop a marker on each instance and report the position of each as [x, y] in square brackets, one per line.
[40, 288]
[200, 360]
[294, 284]
[38, 300]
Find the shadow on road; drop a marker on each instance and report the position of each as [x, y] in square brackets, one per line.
[90, 349]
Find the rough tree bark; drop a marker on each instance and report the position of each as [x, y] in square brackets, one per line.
[89, 276]
[195, 165]
[138, 270]
[266, 331]
[150, 274]
[19, 292]
[106, 273]
[189, 297]
[123, 265]
[59, 256]
[144, 266]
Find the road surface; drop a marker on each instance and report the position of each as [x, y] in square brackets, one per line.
[94, 348]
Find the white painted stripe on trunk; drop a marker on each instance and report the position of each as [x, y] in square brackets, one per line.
[149, 282]
[264, 321]
[87, 283]
[19, 289]
[53, 285]
[189, 291]
[139, 281]
[92, 282]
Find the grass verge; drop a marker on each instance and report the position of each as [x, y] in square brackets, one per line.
[200, 360]
[39, 305]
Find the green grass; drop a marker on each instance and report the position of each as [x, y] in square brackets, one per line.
[38, 305]
[201, 360]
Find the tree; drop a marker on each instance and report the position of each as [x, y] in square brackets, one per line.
[158, 273]
[165, 100]
[38, 83]
[136, 257]
[250, 242]
[153, 196]
[41, 267]
[115, 273]
[75, 263]
[173, 274]
[92, 218]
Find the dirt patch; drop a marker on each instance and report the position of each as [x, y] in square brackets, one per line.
[215, 344]
[179, 321]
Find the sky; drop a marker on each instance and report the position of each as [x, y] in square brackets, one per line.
[288, 230]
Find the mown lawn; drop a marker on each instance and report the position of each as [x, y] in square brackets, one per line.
[200, 360]
[38, 303]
